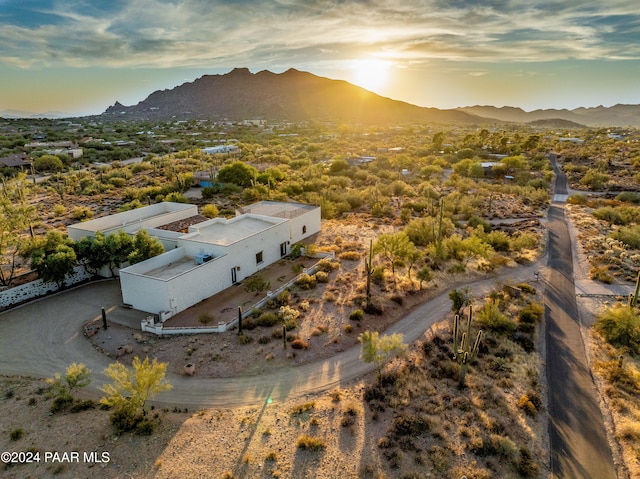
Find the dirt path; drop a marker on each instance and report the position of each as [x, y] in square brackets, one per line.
[38, 341]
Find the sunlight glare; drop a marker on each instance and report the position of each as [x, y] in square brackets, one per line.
[370, 74]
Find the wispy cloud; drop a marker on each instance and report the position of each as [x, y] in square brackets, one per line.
[166, 33]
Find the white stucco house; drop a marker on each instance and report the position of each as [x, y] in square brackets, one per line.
[202, 257]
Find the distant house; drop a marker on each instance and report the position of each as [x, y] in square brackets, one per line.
[209, 257]
[19, 160]
[212, 150]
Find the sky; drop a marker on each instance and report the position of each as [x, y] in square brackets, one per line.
[81, 56]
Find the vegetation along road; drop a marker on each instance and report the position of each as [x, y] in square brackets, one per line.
[578, 441]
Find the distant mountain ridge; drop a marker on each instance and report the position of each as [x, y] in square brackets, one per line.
[617, 115]
[295, 95]
[291, 95]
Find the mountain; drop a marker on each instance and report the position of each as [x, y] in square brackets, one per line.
[27, 114]
[291, 95]
[617, 115]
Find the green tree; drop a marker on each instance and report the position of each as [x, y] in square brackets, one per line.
[144, 247]
[238, 173]
[119, 246]
[131, 389]
[620, 326]
[394, 247]
[12, 229]
[378, 349]
[48, 163]
[76, 376]
[92, 252]
[52, 257]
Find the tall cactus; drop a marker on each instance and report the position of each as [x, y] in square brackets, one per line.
[633, 298]
[463, 352]
[368, 266]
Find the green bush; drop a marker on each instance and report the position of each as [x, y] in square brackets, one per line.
[267, 319]
[531, 313]
[16, 434]
[326, 265]
[630, 236]
[356, 315]
[256, 284]
[620, 326]
[299, 344]
[491, 318]
[305, 281]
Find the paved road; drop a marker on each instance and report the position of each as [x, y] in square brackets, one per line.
[44, 337]
[579, 447]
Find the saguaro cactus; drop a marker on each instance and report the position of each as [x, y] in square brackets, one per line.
[368, 266]
[633, 297]
[463, 352]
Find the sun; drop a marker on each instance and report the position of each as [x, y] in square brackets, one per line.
[370, 74]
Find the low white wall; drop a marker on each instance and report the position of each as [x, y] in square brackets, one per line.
[38, 288]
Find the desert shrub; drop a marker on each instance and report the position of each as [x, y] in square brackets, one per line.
[322, 277]
[526, 288]
[356, 315]
[476, 221]
[629, 197]
[61, 403]
[302, 408]
[630, 236]
[347, 328]
[620, 326]
[526, 467]
[244, 339]
[59, 210]
[504, 446]
[409, 425]
[264, 339]
[523, 240]
[16, 434]
[249, 324]
[527, 405]
[284, 298]
[532, 313]
[349, 256]
[256, 284]
[326, 265]
[271, 456]
[577, 199]
[491, 318]
[267, 319]
[79, 405]
[373, 307]
[601, 273]
[305, 281]
[145, 427]
[206, 318]
[609, 214]
[80, 213]
[299, 344]
[498, 240]
[311, 443]
[210, 211]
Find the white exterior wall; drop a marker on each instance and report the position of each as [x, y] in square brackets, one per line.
[310, 219]
[144, 292]
[201, 282]
[243, 253]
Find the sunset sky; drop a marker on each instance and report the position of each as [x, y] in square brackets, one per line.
[80, 56]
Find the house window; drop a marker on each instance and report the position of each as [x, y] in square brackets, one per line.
[304, 229]
[259, 257]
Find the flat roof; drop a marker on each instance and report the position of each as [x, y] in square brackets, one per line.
[172, 269]
[277, 209]
[225, 233]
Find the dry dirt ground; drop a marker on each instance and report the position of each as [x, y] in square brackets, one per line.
[251, 442]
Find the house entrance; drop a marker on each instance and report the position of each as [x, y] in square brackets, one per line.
[234, 276]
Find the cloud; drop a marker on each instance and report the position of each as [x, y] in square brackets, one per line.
[203, 33]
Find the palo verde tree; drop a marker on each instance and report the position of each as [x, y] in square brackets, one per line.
[378, 349]
[394, 247]
[131, 389]
[76, 376]
[238, 173]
